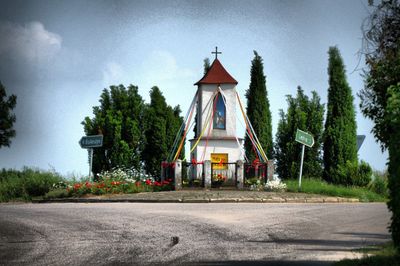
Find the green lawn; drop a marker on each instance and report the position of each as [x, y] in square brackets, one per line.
[315, 186]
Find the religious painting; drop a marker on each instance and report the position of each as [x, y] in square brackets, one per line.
[219, 160]
[220, 113]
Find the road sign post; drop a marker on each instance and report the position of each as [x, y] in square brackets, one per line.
[307, 140]
[90, 142]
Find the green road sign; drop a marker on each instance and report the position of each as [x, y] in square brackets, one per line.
[93, 141]
[304, 138]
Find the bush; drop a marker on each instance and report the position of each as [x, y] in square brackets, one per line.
[57, 194]
[363, 178]
[26, 184]
[379, 183]
[37, 183]
[352, 174]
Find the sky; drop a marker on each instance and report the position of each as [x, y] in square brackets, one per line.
[58, 56]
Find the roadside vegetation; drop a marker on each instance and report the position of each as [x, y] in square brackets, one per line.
[379, 255]
[371, 193]
[26, 184]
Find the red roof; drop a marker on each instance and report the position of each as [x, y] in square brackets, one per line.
[217, 75]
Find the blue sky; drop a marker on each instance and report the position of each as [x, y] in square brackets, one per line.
[57, 56]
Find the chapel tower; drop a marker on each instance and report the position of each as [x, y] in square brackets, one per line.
[216, 117]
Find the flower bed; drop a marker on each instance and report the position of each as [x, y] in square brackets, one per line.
[113, 182]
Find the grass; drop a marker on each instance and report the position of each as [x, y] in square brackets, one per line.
[315, 186]
[381, 255]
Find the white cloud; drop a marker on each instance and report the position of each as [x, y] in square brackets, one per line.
[113, 74]
[31, 42]
[162, 66]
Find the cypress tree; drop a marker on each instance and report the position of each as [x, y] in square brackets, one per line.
[305, 114]
[340, 136]
[258, 110]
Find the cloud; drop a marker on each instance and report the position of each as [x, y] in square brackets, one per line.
[113, 73]
[162, 66]
[30, 42]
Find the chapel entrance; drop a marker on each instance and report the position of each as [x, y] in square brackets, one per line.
[192, 174]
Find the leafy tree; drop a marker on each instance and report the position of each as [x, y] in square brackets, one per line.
[380, 98]
[305, 114]
[381, 46]
[393, 120]
[258, 110]
[7, 119]
[340, 136]
[119, 118]
[162, 124]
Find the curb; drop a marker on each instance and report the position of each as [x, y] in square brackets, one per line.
[201, 200]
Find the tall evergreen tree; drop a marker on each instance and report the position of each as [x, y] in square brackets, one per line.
[162, 125]
[7, 119]
[340, 136]
[305, 114]
[258, 110]
[119, 119]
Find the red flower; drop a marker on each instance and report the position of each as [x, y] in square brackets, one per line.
[148, 182]
[88, 185]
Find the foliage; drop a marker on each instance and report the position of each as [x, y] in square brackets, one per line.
[305, 114]
[340, 136]
[120, 119]
[258, 109]
[379, 183]
[382, 255]
[317, 186]
[381, 47]
[162, 124]
[7, 119]
[26, 184]
[393, 117]
[353, 174]
[380, 98]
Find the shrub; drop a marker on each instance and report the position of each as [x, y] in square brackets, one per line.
[57, 193]
[37, 183]
[379, 183]
[352, 174]
[364, 175]
[26, 183]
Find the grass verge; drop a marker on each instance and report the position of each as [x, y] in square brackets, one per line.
[380, 255]
[315, 186]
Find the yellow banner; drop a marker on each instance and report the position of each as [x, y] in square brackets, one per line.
[219, 161]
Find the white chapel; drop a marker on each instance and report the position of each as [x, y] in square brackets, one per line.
[216, 138]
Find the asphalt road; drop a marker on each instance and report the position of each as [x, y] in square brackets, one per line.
[187, 234]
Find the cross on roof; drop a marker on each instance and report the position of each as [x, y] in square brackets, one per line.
[216, 52]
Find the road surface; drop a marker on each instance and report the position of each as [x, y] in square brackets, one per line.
[187, 234]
